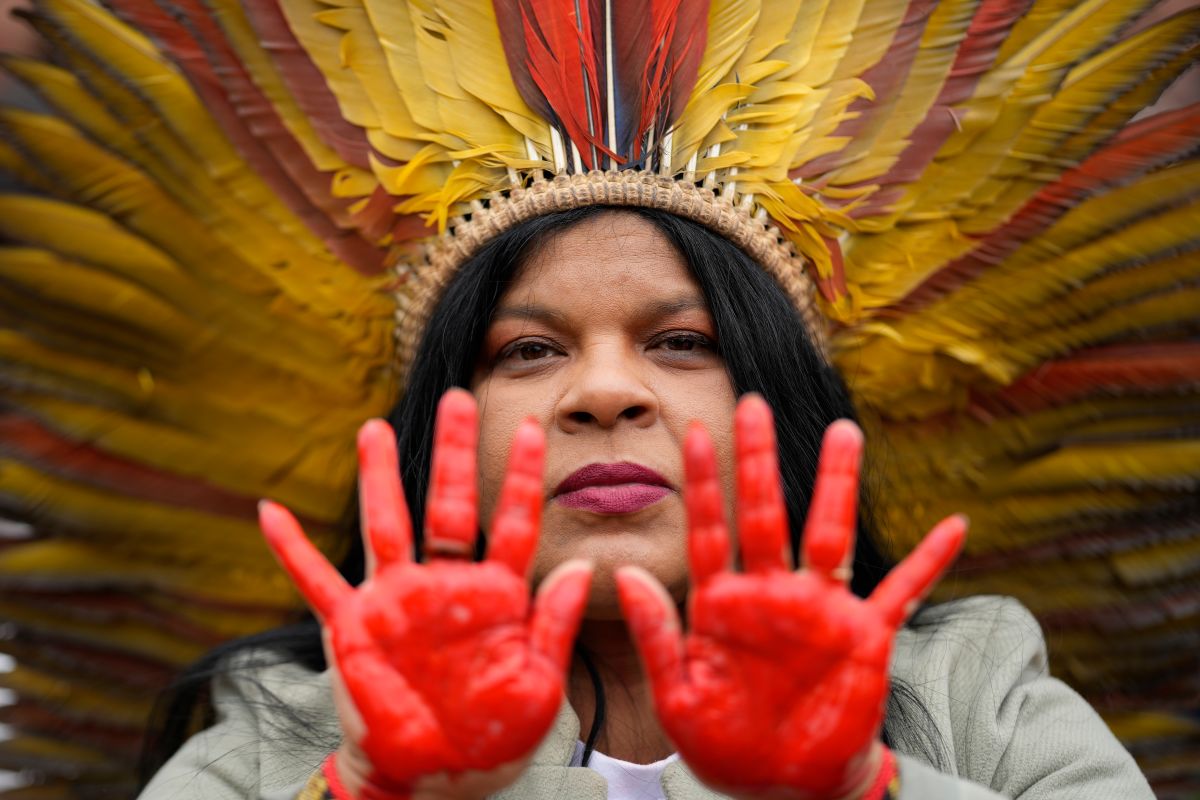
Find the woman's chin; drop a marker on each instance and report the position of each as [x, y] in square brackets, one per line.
[603, 600]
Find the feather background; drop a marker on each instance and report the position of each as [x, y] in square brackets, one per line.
[208, 226]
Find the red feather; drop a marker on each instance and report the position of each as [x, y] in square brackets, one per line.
[558, 52]
[1163, 367]
[678, 35]
[510, 18]
[561, 53]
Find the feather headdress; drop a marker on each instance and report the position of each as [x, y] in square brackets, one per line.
[214, 224]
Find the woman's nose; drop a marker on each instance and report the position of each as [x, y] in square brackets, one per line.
[605, 387]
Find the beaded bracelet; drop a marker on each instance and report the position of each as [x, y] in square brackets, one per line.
[317, 787]
[325, 784]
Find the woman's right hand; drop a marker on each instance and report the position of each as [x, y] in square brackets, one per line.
[445, 680]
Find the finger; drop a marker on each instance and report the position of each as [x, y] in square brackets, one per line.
[380, 712]
[558, 608]
[761, 513]
[450, 520]
[322, 586]
[519, 510]
[385, 520]
[829, 529]
[911, 580]
[708, 536]
[654, 624]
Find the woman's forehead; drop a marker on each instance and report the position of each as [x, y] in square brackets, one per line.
[612, 257]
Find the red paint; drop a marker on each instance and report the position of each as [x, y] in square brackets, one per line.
[778, 686]
[445, 663]
[780, 682]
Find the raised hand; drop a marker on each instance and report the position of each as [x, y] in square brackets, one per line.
[778, 688]
[443, 674]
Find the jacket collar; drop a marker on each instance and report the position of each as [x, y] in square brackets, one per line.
[550, 776]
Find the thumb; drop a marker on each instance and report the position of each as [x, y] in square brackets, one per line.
[654, 624]
[558, 608]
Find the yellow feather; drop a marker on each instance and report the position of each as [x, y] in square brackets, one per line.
[1163, 562]
[1040, 152]
[1136, 463]
[176, 104]
[131, 638]
[1040, 15]
[244, 40]
[1106, 212]
[481, 68]
[474, 122]
[1054, 321]
[224, 254]
[87, 702]
[1032, 76]
[700, 126]
[731, 27]
[140, 530]
[140, 137]
[966, 325]
[876, 148]
[817, 52]
[197, 437]
[323, 46]
[370, 61]
[771, 27]
[63, 562]
[229, 326]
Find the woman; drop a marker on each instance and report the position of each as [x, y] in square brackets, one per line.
[245, 218]
[606, 336]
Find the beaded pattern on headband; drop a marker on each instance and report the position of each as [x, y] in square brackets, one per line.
[422, 287]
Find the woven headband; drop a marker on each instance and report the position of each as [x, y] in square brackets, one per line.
[423, 287]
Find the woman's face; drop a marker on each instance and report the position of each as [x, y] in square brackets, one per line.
[604, 337]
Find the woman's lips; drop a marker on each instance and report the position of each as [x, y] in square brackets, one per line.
[612, 488]
[623, 499]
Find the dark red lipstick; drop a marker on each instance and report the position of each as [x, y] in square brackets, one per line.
[612, 488]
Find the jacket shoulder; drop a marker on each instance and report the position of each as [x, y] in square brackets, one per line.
[274, 726]
[979, 667]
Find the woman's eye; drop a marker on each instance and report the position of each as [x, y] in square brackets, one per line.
[680, 343]
[685, 343]
[531, 351]
[526, 351]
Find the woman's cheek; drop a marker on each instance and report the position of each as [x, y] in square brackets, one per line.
[495, 440]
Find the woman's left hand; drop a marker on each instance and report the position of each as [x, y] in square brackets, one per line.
[778, 688]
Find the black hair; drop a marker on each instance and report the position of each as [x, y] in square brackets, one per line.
[766, 349]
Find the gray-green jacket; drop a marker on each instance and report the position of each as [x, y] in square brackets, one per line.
[979, 666]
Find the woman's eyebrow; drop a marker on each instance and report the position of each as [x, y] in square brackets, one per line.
[527, 312]
[677, 306]
[664, 308]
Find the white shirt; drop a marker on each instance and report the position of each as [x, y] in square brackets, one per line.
[626, 780]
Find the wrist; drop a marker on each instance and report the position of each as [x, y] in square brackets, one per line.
[345, 776]
[873, 776]
[870, 777]
[884, 783]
